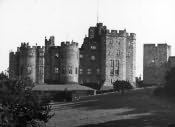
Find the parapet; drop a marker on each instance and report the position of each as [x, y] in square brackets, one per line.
[112, 32]
[149, 45]
[121, 33]
[68, 44]
[162, 45]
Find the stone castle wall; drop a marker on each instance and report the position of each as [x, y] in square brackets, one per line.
[111, 60]
[104, 57]
[155, 63]
[69, 62]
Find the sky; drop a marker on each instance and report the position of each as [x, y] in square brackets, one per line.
[153, 21]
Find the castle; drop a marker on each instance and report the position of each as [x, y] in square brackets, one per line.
[157, 60]
[104, 57]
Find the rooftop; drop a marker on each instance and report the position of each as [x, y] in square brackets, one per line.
[60, 87]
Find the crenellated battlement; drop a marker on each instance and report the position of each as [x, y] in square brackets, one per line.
[156, 45]
[69, 44]
[120, 33]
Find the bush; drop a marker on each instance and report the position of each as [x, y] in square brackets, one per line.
[20, 105]
[169, 87]
[121, 85]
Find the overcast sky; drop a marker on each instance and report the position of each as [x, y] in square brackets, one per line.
[153, 21]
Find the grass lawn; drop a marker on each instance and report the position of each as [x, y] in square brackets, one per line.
[136, 108]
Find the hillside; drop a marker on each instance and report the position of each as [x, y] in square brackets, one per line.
[137, 108]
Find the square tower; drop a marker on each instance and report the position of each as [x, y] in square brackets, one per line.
[155, 60]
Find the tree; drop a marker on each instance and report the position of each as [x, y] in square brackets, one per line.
[170, 82]
[3, 76]
[20, 106]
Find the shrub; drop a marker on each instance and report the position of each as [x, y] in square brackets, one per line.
[121, 85]
[20, 105]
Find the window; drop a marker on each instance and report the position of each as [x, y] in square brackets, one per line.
[41, 54]
[56, 55]
[70, 70]
[116, 72]
[118, 52]
[56, 69]
[31, 54]
[81, 55]
[128, 54]
[63, 70]
[111, 81]
[76, 70]
[89, 71]
[29, 69]
[41, 61]
[112, 72]
[98, 71]
[117, 63]
[92, 57]
[112, 63]
[81, 71]
[93, 47]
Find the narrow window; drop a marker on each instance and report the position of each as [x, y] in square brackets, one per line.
[112, 72]
[93, 47]
[70, 70]
[81, 55]
[56, 55]
[89, 71]
[117, 63]
[98, 71]
[56, 70]
[81, 71]
[76, 70]
[112, 63]
[92, 57]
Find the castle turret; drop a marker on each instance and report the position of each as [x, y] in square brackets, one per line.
[27, 62]
[69, 62]
[40, 64]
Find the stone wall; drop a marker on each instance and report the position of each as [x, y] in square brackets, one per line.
[155, 61]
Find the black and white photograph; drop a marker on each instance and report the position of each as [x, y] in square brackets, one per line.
[87, 63]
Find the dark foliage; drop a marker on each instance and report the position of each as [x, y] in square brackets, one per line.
[169, 87]
[170, 82]
[3, 76]
[121, 85]
[20, 105]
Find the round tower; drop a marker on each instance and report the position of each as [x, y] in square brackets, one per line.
[31, 63]
[27, 63]
[69, 62]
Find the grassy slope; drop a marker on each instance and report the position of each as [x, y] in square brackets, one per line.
[135, 108]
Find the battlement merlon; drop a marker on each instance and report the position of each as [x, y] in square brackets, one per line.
[132, 36]
[11, 53]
